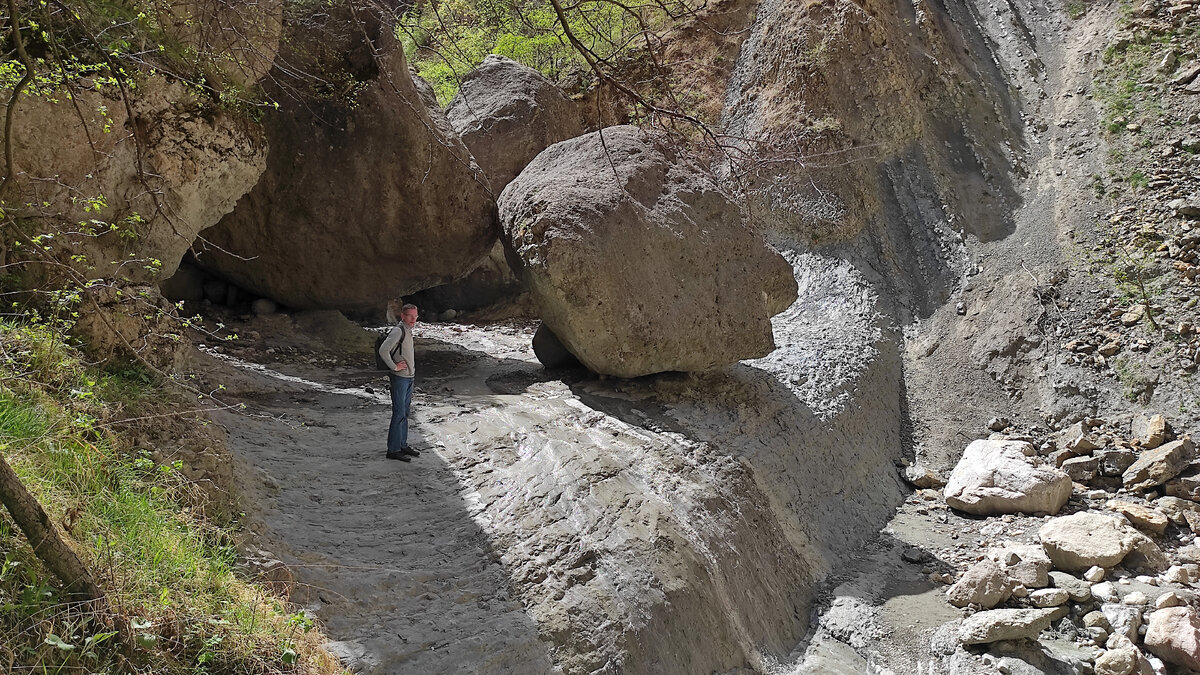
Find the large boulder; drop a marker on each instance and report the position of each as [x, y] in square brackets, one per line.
[637, 261]
[1004, 624]
[1085, 539]
[996, 476]
[365, 198]
[507, 113]
[126, 185]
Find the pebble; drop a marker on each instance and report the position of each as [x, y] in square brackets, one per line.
[1134, 599]
[1094, 574]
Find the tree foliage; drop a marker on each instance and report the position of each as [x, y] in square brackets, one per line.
[445, 40]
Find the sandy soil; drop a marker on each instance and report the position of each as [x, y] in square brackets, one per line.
[385, 553]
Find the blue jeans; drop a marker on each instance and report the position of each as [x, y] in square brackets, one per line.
[402, 390]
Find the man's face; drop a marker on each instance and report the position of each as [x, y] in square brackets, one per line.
[409, 317]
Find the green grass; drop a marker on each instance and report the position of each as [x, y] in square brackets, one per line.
[137, 525]
[446, 40]
[1077, 8]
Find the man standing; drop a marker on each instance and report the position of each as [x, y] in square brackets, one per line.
[397, 352]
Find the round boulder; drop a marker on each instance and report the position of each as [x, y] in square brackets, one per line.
[637, 261]
[996, 476]
[507, 113]
[1081, 540]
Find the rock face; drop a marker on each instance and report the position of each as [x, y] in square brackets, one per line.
[506, 114]
[1081, 540]
[611, 232]
[995, 476]
[1159, 465]
[194, 164]
[1174, 636]
[361, 201]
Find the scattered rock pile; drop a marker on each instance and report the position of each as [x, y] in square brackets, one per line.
[1117, 576]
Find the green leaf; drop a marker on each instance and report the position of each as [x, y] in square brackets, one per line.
[55, 641]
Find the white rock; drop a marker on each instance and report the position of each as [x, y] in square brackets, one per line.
[1085, 539]
[1049, 597]
[1095, 574]
[1116, 662]
[995, 476]
[1105, 591]
[1157, 466]
[1174, 636]
[1134, 599]
[984, 584]
[1166, 600]
[1025, 563]
[1177, 574]
[1004, 624]
[1123, 619]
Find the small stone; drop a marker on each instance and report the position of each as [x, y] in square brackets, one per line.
[1114, 461]
[1177, 574]
[1116, 662]
[985, 584]
[1049, 597]
[1105, 591]
[1094, 574]
[1086, 539]
[998, 423]
[1020, 591]
[1026, 564]
[915, 555]
[1151, 431]
[1166, 600]
[1081, 469]
[1123, 619]
[1134, 599]
[1096, 619]
[1134, 315]
[1078, 589]
[1176, 509]
[922, 477]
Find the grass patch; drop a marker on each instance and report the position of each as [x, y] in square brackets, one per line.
[168, 571]
[1127, 84]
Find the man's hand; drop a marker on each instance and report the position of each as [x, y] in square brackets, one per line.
[401, 365]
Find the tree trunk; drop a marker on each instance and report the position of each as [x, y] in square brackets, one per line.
[47, 544]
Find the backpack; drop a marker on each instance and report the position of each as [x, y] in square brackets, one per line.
[379, 362]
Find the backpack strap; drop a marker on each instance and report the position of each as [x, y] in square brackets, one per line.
[400, 344]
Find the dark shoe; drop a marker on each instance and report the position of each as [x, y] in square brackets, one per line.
[409, 451]
[398, 455]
